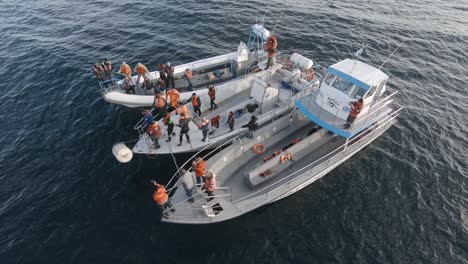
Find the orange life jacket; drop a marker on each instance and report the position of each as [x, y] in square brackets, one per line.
[195, 101]
[184, 110]
[125, 69]
[141, 69]
[199, 168]
[155, 130]
[271, 46]
[286, 157]
[210, 184]
[160, 196]
[356, 108]
[173, 94]
[215, 121]
[212, 94]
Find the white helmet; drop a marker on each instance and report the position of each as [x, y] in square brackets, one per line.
[168, 63]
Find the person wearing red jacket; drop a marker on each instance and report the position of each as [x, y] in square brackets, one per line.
[356, 108]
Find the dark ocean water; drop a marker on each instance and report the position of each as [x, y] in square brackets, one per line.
[65, 199]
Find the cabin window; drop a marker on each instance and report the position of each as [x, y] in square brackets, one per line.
[357, 92]
[343, 85]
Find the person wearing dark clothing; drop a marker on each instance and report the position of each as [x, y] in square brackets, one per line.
[147, 118]
[170, 126]
[169, 69]
[162, 72]
[148, 85]
[184, 128]
[252, 125]
[204, 128]
[272, 44]
[128, 85]
[231, 120]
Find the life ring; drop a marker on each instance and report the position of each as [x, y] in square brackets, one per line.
[258, 148]
[310, 74]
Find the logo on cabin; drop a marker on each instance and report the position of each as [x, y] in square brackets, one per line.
[332, 102]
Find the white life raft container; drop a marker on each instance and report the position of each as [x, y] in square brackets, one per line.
[122, 153]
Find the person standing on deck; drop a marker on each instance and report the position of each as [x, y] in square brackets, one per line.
[108, 69]
[98, 71]
[142, 71]
[187, 183]
[173, 96]
[356, 108]
[184, 128]
[252, 125]
[199, 167]
[212, 94]
[161, 197]
[170, 75]
[231, 120]
[155, 132]
[210, 184]
[196, 103]
[160, 85]
[271, 45]
[162, 73]
[159, 105]
[125, 70]
[188, 77]
[215, 123]
[204, 128]
[170, 126]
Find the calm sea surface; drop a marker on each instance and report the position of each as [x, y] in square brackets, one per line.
[65, 199]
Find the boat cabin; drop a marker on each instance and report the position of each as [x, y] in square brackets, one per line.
[345, 82]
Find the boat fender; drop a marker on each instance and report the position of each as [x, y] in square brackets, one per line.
[258, 148]
[122, 153]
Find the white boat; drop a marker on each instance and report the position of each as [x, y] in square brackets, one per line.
[209, 71]
[300, 147]
[274, 91]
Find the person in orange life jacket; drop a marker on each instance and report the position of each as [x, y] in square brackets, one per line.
[142, 71]
[188, 191]
[199, 168]
[196, 103]
[204, 128]
[215, 123]
[212, 94]
[210, 184]
[125, 70]
[161, 197]
[271, 45]
[155, 132]
[128, 85]
[184, 128]
[356, 108]
[98, 71]
[159, 105]
[170, 126]
[252, 125]
[231, 120]
[169, 69]
[173, 96]
[183, 109]
[188, 74]
[148, 85]
[108, 69]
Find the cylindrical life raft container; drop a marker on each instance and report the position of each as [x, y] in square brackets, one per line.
[122, 153]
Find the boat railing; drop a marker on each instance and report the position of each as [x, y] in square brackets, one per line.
[342, 149]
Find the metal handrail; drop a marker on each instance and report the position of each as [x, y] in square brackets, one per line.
[280, 182]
